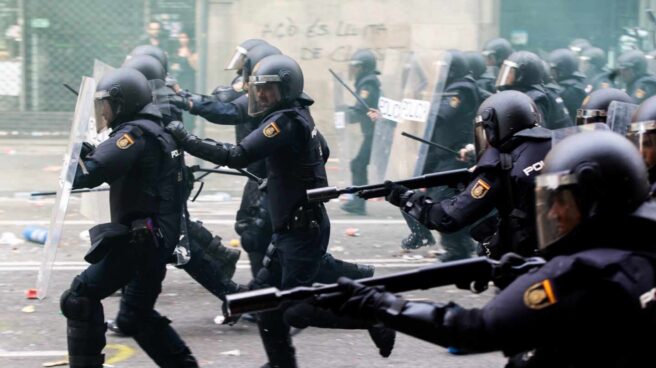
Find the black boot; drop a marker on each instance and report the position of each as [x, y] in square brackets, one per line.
[276, 339]
[420, 235]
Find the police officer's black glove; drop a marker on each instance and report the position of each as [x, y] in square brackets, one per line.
[87, 149]
[398, 194]
[178, 131]
[359, 301]
[504, 274]
[180, 102]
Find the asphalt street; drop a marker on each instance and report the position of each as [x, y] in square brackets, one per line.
[33, 332]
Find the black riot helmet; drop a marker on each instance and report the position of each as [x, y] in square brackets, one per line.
[632, 64]
[592, 60]
[276, 81]
[500, 117]
[520, 70]
[563, 63]
[595, 105]
[496, 51]
[153, 51]
[578, 45]
[253, 56]
[236, 62]
[458, 67]
[150, 67]
[476, 63]
[642, 131]
[120, 95]
[547, 77]
[363, 62]
[587, 177]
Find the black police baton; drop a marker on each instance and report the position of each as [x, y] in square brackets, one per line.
[43, 194]
[360, 99]
[217, 170]
[70, 88]
[411, 136]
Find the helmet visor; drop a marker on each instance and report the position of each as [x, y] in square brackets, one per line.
[507, 74]
[103, 113]
[236, 62]
[480, 138]
[557, 212]
[643, 135]
[589, 116]
[263, 94]
[355, 67]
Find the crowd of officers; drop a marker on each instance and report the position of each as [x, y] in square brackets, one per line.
[584, 204]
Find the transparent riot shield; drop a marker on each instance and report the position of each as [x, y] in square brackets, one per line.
[79, 129]
[393, 69]
[558, 135]
[95, 205]
[347, 135]
[422, 82]
[618, 116]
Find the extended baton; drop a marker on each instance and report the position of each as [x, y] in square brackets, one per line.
[360, 99]
[70, 88]
[40, 194]
[429, 143]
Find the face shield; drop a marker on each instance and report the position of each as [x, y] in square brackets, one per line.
[236, 62]
[355, 68]
[507, 75]
[643, 135]
[585, 66]
[651, 63]
[589, 116]
[102, 110]
[263, 94]
[480, 137]
[556, 209]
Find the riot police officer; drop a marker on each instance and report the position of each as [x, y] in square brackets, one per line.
[173, 112]
[564, 68]
[362, 68]
[141, 163]
[495, 52]
[632, 66]
[231, 108]
[478, 71]
[290, 142]
[642, 132]
[522, 71]
[592, 63]
[511, 145]
[594, 108]
[453, 129]
[211, 264]
[591, 304]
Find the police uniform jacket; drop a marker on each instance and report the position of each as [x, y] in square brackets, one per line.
[507, 188]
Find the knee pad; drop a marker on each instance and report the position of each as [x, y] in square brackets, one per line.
[75, 306]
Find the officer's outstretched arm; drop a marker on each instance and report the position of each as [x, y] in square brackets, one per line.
[452, 214]
[441, 324]
[219, 112]
[257, 145]
[110, 160]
